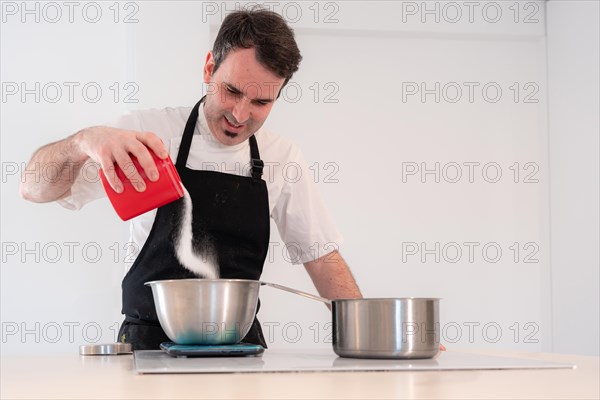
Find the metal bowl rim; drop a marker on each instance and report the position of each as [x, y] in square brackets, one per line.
[149, 283]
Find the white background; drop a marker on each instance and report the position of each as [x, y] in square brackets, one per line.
[370, 141]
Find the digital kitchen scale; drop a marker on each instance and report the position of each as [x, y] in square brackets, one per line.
[229, 350]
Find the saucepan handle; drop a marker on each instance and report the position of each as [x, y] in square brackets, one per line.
[298, 292]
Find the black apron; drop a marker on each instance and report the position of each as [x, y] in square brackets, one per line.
[229, 211]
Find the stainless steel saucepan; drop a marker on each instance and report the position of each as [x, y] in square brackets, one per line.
[221, 311]
[382, 328]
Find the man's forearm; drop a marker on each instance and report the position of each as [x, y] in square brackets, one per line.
[332, 277]
[51, 171]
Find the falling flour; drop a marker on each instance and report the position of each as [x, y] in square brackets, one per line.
[202, 265]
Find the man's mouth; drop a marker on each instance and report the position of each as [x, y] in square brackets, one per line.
[233, 126]
[232, 129]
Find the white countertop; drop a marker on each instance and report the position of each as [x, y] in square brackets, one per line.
[72, 376]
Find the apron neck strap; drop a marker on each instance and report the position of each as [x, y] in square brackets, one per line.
[255, 161]
[188, 135]
[186, 143]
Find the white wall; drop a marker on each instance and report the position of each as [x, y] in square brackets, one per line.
[573, 72]
[354, 118]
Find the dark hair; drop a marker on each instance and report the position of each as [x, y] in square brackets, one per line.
[265, 31]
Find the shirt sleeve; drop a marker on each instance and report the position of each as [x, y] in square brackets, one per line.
[87, 186]
[303, 221]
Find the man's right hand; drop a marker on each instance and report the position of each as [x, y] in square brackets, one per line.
[101, 144]
[108, 146]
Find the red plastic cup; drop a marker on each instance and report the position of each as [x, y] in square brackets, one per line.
[131, 203]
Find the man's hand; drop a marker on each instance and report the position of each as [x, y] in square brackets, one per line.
[108, 146]
[103, 145]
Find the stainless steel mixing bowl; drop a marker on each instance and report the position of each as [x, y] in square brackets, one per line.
[205, 311]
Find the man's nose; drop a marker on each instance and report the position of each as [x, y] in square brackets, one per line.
[241, 110]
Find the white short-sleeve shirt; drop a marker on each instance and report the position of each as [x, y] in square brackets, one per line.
[294, 201]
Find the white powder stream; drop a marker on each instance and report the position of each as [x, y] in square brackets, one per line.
[203, 265]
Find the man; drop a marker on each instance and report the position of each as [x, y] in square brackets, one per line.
[253, 57]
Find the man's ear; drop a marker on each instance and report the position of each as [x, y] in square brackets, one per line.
[209, 67]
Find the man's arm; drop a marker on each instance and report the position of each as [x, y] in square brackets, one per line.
[102, 144]
[332, 277]
[66, 161]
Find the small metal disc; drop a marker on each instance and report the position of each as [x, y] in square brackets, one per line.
[108, 349]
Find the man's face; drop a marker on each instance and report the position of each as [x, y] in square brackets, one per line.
[240, 95]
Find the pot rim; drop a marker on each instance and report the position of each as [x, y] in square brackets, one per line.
[367, 299]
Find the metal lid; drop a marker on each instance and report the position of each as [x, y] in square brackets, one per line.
[108, 349]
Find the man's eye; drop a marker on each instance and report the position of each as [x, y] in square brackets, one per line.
[262, 103]
[232, 90]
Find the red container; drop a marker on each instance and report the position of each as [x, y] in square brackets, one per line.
[131, 203]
